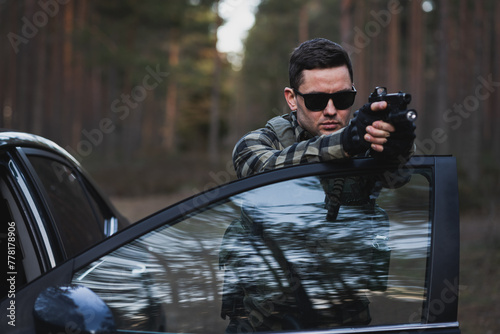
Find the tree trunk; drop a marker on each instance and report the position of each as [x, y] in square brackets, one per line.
[416, 61]
[443, 74]
[346, 21]
[393, 53]
[36, 122]
[213, 141]
[496, 96]
[9, 101]
[360, 60]
[80, 80]
[67, 112]
[304, 23]
[474, 136]
[169, 126]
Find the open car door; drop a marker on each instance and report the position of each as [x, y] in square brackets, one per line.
[353, 246]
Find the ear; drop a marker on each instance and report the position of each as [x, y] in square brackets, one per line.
[290, 98]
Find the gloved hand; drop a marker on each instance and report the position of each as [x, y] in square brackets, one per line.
[352, 137]
[399, 143]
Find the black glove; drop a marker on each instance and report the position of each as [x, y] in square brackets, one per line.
[352, 137]
[399, 143]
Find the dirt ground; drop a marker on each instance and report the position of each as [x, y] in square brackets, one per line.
[479, 303]
[136, 208]
[479, 297]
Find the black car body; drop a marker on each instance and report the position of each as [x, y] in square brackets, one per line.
[273, 252]
[50, 203]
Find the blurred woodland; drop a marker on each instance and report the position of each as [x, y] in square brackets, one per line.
[138, 92]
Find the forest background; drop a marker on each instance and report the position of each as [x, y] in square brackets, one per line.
[138, 92]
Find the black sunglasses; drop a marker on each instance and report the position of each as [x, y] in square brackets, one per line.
[318, 101]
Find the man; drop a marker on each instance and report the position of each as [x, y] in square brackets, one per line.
[319, 128]
[320, 96]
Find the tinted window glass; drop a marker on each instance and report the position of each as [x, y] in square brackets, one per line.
[68, 202]
[315, 252]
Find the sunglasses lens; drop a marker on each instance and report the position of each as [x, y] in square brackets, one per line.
[344, 100]
[319, 101]
[316, 102]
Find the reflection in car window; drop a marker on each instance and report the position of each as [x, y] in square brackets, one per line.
[68, 203]
[315, 252]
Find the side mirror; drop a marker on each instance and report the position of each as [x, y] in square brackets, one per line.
[72, 309]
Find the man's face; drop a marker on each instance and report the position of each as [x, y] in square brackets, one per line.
[328, 80]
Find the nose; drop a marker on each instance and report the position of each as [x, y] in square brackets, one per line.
[330, 109]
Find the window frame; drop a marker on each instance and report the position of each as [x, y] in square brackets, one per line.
[33, 211]
[98, 205]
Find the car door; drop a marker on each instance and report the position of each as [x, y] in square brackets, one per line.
[80, 215]
[351, 246]
[54, 210]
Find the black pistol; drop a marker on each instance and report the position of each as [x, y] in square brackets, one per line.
[397, 103]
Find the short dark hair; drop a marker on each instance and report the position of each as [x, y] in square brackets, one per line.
[313, 54]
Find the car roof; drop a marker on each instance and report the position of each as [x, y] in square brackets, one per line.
[24, 139]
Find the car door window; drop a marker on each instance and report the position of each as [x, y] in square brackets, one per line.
[315, 252]
[74, 217]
